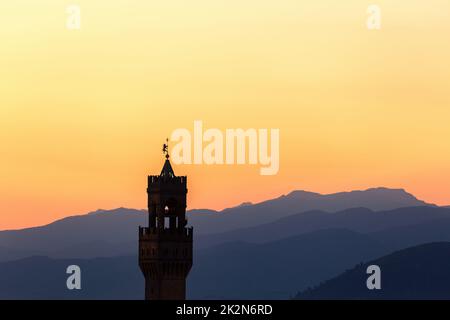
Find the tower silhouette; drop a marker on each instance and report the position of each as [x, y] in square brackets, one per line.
[165, 246]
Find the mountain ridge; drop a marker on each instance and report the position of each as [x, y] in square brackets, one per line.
[357, 219]
[236, 270]
[419, 272]
[292, 194]
[112, 232]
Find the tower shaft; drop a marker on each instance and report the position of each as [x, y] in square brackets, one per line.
[165, 246]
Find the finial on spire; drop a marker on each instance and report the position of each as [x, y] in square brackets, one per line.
[167, 170]
[165, 149]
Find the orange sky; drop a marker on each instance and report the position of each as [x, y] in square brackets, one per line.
[83, 113]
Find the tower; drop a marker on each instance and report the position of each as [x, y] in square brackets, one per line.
[165, 246]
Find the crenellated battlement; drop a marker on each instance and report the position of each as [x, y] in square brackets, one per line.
[158, 180]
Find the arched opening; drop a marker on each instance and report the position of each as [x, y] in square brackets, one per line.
[170, 214]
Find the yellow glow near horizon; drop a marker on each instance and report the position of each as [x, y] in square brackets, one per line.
[83, 113]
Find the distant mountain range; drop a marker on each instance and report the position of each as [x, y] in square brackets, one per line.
[43, 278]
[398, 227]
[282, 246]
[277, 269]
[247, 271]
[420, 272]
[249, 215]
[234, 270]
[97, 234]
[111, 233]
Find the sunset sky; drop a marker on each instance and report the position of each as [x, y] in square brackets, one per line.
[83, 113]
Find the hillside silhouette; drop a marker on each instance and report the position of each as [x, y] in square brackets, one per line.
[383, 225]
[285, 245]
[235, 270]
[420, 272]
[61, 239]
[376, 199]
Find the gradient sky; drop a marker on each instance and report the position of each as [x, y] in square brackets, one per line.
[83, 113]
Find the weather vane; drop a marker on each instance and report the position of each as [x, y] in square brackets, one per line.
[165, 148]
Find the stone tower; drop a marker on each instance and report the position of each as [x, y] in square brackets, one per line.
[165, 246]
